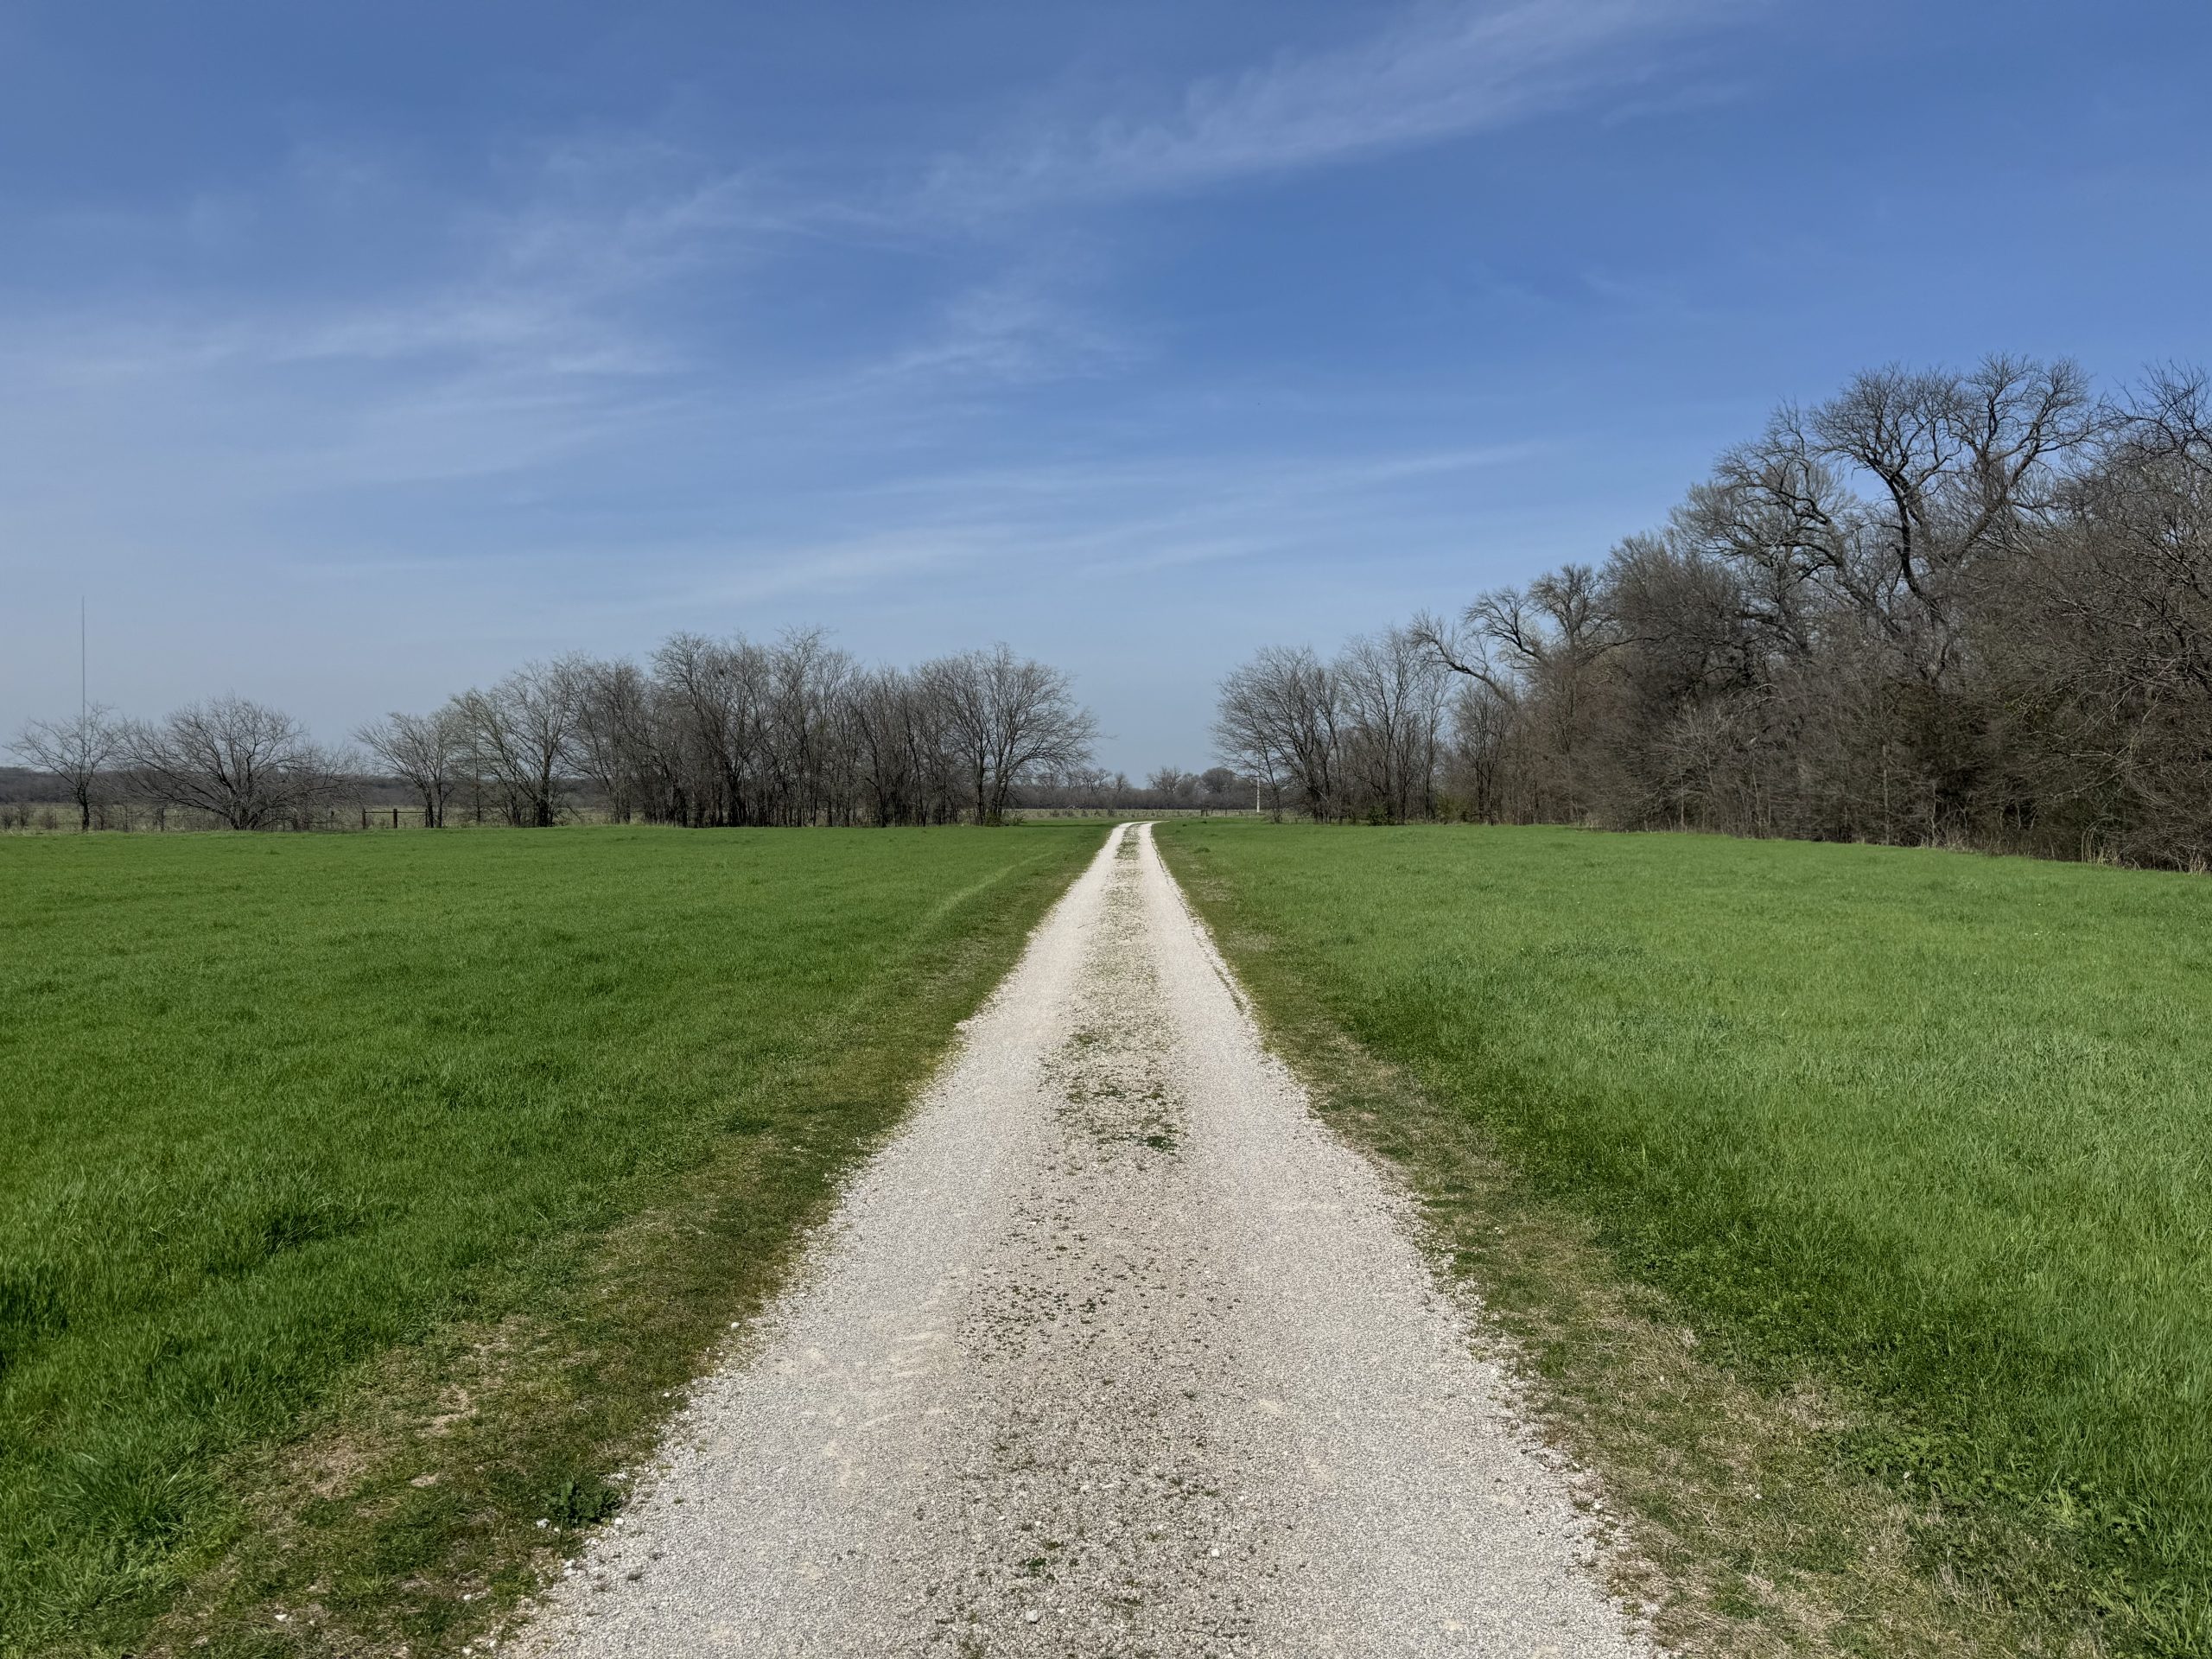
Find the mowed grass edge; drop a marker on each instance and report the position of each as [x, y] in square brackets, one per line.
[1602, 1061]
[541, 1117]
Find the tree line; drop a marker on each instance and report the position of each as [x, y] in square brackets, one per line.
[709, 732]
[1965, 607]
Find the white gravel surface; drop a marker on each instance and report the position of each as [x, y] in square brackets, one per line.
[1115, 1349]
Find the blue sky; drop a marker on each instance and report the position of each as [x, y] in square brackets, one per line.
[350, 354]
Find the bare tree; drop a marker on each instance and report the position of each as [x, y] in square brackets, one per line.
[898, 747]
[808, 740]
[1008, 717]
[1483, 762]
[709, 732]
[2106, 638]
[1548, 643]
[244, 764]
[1278, 718]
[615, 744]
[1938, 606]
[1966, 462]
[78, 752]
[516, 735]
[712, 697]
[425, 750]
[1393, 687]
[1174, 785]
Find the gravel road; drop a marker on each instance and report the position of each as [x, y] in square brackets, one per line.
[1112, 1351]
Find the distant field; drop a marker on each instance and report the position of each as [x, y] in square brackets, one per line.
[1933, 1128]
[279, 1109]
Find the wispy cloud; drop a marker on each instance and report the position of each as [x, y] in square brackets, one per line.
[543, 269]
[1096, 520]
[1029, 321]
[1445, 69]
[503, 326]
[1104, 519]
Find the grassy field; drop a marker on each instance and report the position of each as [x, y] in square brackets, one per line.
[1930, 1132]
[365, 1198]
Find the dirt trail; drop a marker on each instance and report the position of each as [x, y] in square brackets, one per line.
[1114, 1350]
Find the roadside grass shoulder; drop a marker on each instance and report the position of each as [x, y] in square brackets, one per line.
[372, 1200]
[1851, 1204]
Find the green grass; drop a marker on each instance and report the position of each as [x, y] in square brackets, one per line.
[1928, 1130]
[365, 1198]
